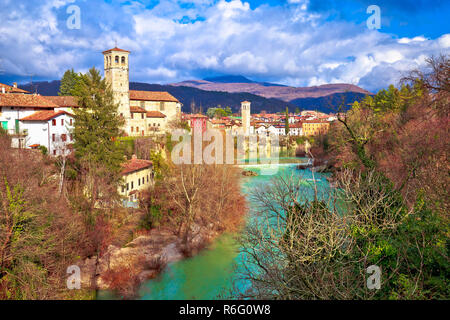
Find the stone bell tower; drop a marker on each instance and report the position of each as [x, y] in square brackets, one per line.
[116, 66]
[245, 113]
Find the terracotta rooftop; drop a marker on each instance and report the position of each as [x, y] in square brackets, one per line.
[44, 115]
[25, 100]
[155, 114]
[137, 109]
[134, 165]
[115, 49]
[64, 101]
[152, 96]
[11, 89]
[197, 115]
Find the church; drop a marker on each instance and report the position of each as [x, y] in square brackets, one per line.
[145, 112]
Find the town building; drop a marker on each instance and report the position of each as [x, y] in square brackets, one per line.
[134, 105]
[137, 175]
[245, 114]
[49, 129]
[315, 127]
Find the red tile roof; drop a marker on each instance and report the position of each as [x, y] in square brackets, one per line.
[155, 114]
[25, 100]
[11, 89]
[134, 165]
[152, 96]
[137, 109]
[198, 115]
[115, 49]
[44, 115]
[64, 101]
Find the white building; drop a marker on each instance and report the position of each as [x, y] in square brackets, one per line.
[51, 129]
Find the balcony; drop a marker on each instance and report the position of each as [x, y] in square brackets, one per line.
[17, 133]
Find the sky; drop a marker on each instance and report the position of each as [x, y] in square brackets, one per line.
[291, 42]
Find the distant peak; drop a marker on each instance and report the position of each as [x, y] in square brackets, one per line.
[229, 79]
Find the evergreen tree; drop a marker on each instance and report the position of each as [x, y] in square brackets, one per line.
[286, 123]
[97, 124]
[69, 83]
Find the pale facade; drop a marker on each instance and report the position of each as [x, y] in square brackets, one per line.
[137, 175]
[245, 113]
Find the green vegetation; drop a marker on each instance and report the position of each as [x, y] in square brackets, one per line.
[219, 112]
[389, 158]
[69, 83]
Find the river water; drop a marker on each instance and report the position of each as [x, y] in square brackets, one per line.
[211, 273]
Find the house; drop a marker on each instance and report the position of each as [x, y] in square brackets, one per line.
[296, 129]
[4, 88]
[137, 175]
[198, 122]
[51, 129]
[315, 127]
[15, 106]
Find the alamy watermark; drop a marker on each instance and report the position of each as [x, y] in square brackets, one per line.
[374, 280]
[74, 20]
[208, 146]
[74, 280]
[374, 21]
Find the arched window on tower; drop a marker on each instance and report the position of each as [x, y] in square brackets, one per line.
[123, 60]
[117, 59]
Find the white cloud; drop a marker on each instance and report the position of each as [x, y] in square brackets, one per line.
[286, 44]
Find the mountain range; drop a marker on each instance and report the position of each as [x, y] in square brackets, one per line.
[229, 91]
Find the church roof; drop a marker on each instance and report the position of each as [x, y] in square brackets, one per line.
[152, 96]
[137, 109]
[155, 114]
[63, 101]
[115, 49]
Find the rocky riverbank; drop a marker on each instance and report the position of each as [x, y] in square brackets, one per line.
[123, 269]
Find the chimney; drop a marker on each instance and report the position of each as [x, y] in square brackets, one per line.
[15, 84]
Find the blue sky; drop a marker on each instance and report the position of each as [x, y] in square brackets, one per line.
[292, 42]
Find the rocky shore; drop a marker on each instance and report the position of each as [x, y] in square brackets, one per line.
[123, 269]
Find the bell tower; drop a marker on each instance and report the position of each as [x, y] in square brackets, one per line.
[245, 113]
[116, 65]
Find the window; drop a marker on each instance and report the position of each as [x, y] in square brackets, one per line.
[54, 122]
[62, 122]
[161, 106]
[137, 129]
[128, 186]
[132, 115]
[71, 137]
[139, 182]
[123, 189]
[54, 152]
[64, 137]
[117, 59]
[71, 121]
[53, 137]
[123, 60]
[147, 178]
[142, 116]
[132, 128]
[132, 185]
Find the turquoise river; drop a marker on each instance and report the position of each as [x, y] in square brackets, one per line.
[211, 273]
